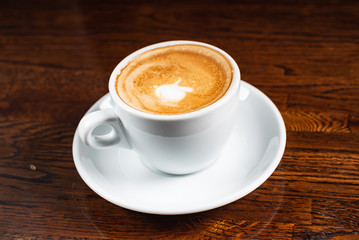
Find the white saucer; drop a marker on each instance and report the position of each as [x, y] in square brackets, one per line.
[250, 157]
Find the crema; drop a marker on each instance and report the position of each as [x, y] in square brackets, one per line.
[174, 79]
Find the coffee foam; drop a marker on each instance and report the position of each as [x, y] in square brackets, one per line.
[175, 79]
[172, 93]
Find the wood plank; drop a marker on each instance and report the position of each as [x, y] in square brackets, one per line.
[334, 232]
[327, 122]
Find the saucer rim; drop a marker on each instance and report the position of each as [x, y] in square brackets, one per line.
[236, 195]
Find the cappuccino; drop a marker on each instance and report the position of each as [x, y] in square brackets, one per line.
[174, 79]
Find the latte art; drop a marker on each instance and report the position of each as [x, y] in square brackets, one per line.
[171, 93]
[175, 79]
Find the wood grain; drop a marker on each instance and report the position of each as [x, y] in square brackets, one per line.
[55, 61]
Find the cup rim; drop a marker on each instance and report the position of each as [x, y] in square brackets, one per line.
[232, 90]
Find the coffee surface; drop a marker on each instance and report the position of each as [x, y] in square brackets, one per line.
[175, 79]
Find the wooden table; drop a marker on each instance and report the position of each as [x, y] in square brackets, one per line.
[55, 61]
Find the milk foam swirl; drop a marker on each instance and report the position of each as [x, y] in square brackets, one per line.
[171, 93]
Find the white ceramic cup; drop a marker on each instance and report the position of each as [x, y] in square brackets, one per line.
[173, 144]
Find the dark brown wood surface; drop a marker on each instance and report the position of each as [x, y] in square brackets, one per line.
[55, 61]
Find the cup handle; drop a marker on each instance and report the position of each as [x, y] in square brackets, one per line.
[102, 129]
